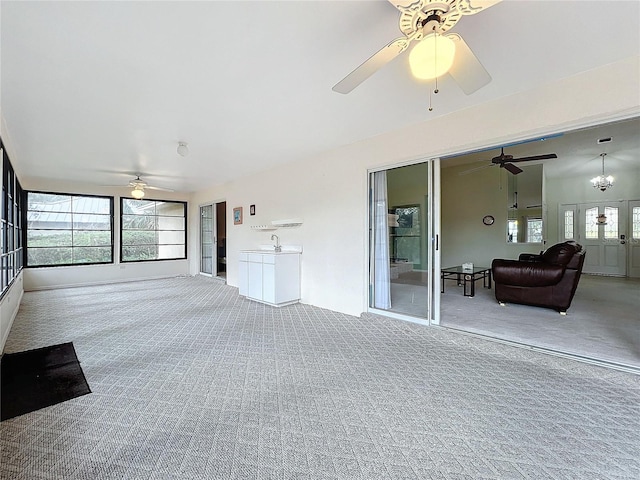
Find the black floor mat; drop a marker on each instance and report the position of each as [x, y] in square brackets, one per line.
[39, 378]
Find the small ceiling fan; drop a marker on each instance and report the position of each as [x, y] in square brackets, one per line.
[420, 19]
[138, 187]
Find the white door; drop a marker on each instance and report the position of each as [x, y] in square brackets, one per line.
[633, 239]
[602, 232]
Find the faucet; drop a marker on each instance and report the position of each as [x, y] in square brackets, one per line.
[277, 246]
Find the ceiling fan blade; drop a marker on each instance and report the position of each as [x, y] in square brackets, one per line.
[535, 157]
[470, 7]
[512, 168]
[400, 4]
[467, 70]
[372, 65]
[159, 188]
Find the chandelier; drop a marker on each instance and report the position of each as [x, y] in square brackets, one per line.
[601, 182]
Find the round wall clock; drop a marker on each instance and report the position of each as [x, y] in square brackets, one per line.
[488, 220]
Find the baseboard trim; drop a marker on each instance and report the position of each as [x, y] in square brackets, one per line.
[104, 282]
[14, 314]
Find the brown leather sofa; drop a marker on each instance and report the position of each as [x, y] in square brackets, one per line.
[546, 280]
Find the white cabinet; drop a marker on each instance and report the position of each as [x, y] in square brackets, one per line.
[270, 277]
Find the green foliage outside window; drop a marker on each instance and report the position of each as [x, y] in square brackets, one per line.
[152, 230]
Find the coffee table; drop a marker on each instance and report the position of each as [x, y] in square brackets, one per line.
[467, 278]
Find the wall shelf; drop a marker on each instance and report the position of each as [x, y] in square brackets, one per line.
[291, 222]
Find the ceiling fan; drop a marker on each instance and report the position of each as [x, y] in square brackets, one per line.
[420, 19]
[138, 187]
[507, 161]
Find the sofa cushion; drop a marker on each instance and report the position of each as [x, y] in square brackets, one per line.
[560, 253]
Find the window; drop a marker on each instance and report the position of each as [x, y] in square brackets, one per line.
[591, 223]
[66, 229]
[512, 230]
[568, 225]
[635, 223]
[11, 238]
[152, 230]
[611, 228]
[534, 230]
[406, 236]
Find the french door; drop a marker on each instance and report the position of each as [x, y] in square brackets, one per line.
[602, 232]
[404, 261]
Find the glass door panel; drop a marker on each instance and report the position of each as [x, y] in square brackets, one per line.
[401, 263]
[206, 239]
[633, 242]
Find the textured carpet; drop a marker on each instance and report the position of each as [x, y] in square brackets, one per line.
[191, 381]
[40, 378]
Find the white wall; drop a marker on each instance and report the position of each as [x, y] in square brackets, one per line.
[329, 191]
[59, 277]
[466, 199]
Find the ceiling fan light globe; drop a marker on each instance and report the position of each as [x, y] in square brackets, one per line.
[432, 57]
[137, 193]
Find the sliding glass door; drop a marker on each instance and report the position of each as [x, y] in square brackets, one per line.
[403, 247]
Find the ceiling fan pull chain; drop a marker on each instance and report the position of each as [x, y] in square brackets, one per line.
[430, 106]
[435, 57]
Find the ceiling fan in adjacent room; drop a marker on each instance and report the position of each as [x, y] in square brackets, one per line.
[436, 53]
[507, 161]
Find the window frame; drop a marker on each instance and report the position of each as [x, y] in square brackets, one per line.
[11, 226]
[67, 194]
[186, 226]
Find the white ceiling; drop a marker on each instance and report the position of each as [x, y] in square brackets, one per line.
[98, 91]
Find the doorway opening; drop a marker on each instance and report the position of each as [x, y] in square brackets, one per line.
[221, 239]
[601, 323]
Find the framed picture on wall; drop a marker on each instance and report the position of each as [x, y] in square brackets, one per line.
[237, 216]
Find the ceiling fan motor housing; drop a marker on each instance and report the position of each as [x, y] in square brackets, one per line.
[432, 23]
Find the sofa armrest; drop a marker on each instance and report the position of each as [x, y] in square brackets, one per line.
[526, 274]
